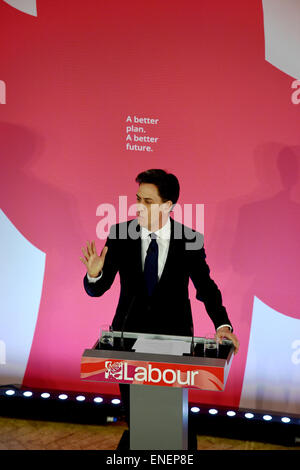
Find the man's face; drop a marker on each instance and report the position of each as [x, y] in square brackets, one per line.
[151, 210]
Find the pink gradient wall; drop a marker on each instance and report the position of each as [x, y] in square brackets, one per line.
[227, 128]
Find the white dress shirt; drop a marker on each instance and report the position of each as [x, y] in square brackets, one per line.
[163, 236]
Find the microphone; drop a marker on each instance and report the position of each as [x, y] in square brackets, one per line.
[192, 342]
[125, 319]
[192, 352]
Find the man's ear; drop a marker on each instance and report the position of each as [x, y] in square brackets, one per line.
[167, 206]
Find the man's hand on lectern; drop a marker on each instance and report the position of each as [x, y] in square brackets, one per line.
[225, 332]
[91, 260]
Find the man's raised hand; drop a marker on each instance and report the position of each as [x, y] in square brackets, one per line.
[91, 260]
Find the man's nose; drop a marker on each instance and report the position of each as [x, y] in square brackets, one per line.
[140, 207]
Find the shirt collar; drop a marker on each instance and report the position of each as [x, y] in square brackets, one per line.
[164, 232]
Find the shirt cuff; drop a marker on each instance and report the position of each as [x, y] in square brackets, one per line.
[221, 326]
[94, 279]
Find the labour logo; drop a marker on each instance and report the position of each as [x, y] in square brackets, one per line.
[113, 369]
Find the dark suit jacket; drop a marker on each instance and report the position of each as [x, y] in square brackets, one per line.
[168, 310]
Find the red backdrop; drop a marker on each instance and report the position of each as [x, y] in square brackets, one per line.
[227, 128]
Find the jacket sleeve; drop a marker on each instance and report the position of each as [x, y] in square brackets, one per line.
[206, 289]
[110, 268]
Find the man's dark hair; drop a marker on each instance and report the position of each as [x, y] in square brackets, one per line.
[166, 183]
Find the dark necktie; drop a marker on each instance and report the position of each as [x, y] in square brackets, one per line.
[151, 265]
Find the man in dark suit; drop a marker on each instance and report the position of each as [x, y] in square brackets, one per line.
[155, 257]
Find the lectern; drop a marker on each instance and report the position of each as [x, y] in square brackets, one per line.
[159, 383]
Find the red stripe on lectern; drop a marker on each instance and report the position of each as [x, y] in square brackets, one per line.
[220, 388]
[91, 367]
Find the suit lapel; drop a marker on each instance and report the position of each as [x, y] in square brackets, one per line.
[136, 247]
